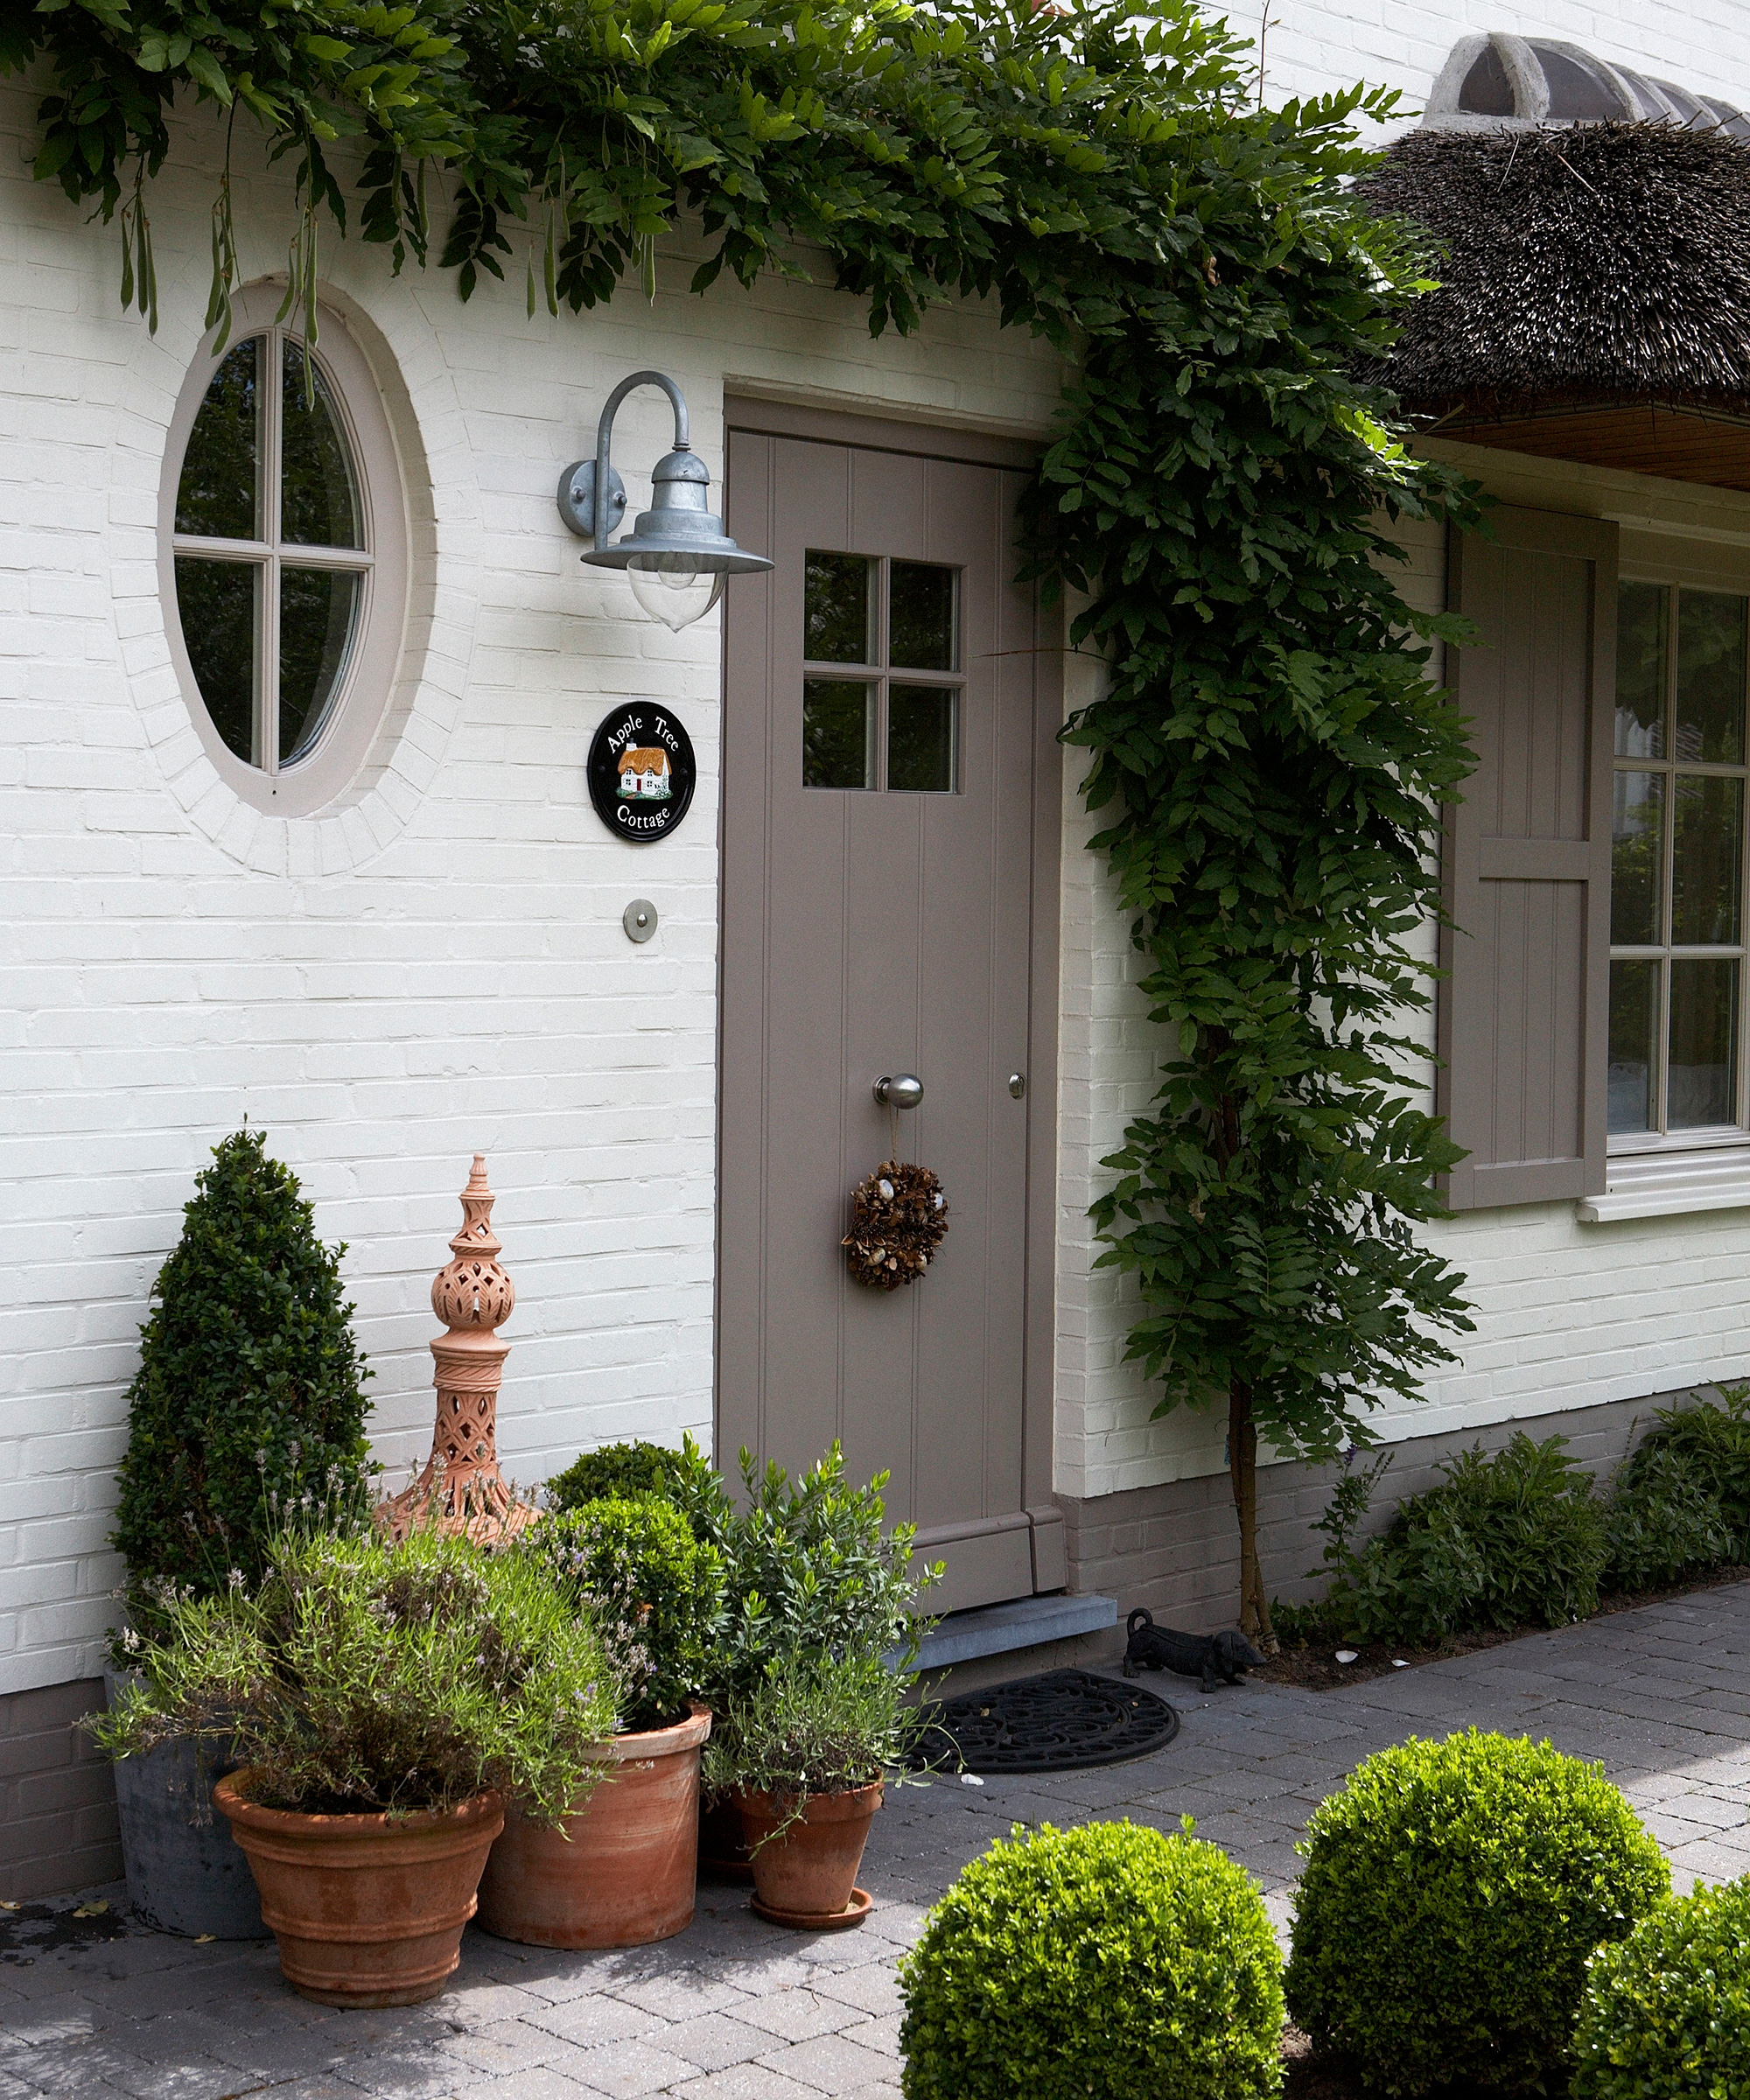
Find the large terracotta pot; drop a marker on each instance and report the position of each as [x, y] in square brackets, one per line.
[369, 1910]
[620, 1873]
[809, 1872]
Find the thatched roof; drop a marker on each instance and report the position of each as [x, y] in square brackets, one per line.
[1588, 263]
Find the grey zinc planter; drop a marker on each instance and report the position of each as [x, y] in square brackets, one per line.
[186, 1871]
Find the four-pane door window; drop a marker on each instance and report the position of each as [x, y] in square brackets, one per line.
[1677, 847]
[881, 683]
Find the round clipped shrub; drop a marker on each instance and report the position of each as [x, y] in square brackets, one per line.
[1666, 2015]
[615, 1469]
[1107, 1960]
[1455, 1893]
[652, 1590]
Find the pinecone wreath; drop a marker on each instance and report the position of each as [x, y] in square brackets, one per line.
[898, 1217]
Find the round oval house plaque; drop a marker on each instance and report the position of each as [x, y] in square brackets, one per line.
[642, 773]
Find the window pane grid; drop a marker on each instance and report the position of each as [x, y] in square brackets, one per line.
[311, 593]
[869, 721]
[1678, 941]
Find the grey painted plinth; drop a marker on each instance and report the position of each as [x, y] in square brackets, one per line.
[996, 1629]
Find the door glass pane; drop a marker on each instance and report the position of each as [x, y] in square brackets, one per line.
[1633, 1025]
[1706, 854]
[838, 733]
[836, 607]
[920, 617]
[1636, 858]
[218, 495]
[219, 604]
[317, 610]
[1641, 612]
[1710, 677]
[1701, 1086]
[921, 720]
[319, 499]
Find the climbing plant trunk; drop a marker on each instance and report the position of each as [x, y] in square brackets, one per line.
[1243, 1449]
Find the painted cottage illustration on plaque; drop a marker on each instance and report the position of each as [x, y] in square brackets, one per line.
[644, 774]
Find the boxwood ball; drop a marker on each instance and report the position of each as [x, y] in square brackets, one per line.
[1453, 1894]
[1109, 1961]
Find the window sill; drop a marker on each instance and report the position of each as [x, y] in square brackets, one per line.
[1667, 1184]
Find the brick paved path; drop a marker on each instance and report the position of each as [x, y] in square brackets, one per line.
[737, 2010]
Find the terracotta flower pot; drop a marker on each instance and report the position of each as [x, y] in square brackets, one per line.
[624, 1870]
[369, 1910]
[810, 1872]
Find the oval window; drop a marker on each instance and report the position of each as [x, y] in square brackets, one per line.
[285, 560]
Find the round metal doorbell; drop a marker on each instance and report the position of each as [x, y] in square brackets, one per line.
[642, 773]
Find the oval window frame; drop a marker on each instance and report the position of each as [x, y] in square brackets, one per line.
[356, 711]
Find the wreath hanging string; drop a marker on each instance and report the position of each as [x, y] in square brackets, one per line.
[898, 1217]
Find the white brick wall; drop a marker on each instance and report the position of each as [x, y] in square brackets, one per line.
[437, 968]
[1321, 47]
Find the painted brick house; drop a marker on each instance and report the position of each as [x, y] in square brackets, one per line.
[297, 683]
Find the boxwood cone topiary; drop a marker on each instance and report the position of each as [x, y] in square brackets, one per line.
[1109, 1961]
[1666, 2015]
[248, 1407]
[1453, 1893]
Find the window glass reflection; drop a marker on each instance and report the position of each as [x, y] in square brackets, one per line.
[220, 606]
[1701, 1089]
[1709, 723]
[317, 611]
[318, 498]
[1707, 855]
[219, 495]
[920, 617]
[838, 733]
[1633, 1033]
[1637, 848]
[1642, 612]
[836, 607]
[921, 739]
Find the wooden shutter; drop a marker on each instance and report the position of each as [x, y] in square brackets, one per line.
[1523, 1010]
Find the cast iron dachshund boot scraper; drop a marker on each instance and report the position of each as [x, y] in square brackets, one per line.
[1204, 1655]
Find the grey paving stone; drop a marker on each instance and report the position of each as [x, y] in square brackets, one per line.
[597, 2019]
[830, 2063]
[628, 2069]
[799, 2015]
[743, 2082]
[714, 2041]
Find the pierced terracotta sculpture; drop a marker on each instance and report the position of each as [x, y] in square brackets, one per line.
[461, 1489]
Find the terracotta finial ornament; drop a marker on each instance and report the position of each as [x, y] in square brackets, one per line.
[461, 1489]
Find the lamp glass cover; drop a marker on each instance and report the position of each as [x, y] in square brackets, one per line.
[671, 589]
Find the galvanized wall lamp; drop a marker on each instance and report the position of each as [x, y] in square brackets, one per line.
[677, 554]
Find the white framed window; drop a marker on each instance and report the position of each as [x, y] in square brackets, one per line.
[283, 557]
[1680, 766]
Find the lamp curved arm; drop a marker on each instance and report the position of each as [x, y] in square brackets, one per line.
[605, 435]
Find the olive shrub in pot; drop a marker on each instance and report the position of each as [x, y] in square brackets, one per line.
[807, 1754]
[384, 1700]
[246, 1414]
[814, 1579]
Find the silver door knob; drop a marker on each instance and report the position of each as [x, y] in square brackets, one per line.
[904, 1090]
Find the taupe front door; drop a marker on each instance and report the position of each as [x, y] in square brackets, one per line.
[882, 733]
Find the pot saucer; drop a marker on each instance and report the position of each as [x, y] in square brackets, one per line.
[859, 1906]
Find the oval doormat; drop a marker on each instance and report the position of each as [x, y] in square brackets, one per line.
[1060, 1722]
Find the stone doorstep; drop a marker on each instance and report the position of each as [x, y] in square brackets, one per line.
[999, 1629]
